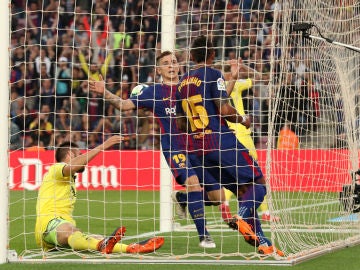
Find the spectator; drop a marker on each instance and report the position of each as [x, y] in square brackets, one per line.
[34, 143]
[23, 117]
[41, 130]
[63, 82]
[122, 40]
[16, 140]
[287, 139]
[95, 70]
[33, 15]
[74, 107]
[76, 138]
[93, 140]
[43, 61]
[47, 93]
[62, 122]
[127, 129]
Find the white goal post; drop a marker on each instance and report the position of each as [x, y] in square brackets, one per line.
[4, 110]
[301, 88]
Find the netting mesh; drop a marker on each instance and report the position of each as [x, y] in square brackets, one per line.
[303, 102]
[316, 96]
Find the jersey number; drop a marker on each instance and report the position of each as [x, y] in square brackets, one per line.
[195, 112]
[179, 158]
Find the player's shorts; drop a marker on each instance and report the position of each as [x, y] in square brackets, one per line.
[232, 165]
[50, 236]
[183, 166]
[179, 165]
[207, 180]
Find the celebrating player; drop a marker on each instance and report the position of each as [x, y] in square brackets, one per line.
[55, 226]
[160, 99]
[235, 89]
[203, 100]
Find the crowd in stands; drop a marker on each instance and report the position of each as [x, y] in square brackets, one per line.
[56, 46]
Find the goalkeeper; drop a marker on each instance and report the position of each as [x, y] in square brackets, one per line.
[55, 226]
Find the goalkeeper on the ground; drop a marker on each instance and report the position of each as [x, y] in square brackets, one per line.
[55, 226]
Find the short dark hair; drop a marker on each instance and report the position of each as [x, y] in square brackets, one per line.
[63, 149]
[201, 49]
[162, 55]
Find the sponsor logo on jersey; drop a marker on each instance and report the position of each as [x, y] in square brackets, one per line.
[170, 111]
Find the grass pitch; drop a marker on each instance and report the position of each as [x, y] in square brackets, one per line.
[99, 212]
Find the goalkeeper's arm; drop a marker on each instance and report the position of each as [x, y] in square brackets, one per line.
[78, 163]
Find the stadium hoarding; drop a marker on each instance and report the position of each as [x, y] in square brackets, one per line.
[112, 170]
[291, 170]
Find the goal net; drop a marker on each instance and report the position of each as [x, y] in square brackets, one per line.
[303, 100]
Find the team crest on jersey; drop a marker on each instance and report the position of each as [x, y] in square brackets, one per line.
[221, 84]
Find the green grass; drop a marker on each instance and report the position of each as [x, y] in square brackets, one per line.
[100, 212]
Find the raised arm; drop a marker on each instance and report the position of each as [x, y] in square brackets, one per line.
[235, 67]
[119, 103]
[240, 71]
[78, 163]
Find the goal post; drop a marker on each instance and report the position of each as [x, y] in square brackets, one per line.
[167, 43]
[301, 91]
[4, 125]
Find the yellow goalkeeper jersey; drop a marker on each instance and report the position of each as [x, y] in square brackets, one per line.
[236, 95]
[56, 198]
[242, 133]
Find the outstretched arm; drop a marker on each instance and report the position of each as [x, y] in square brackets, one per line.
[99, 88]
[78, 163]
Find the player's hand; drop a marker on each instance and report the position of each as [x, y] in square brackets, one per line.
[113, 140]
[235, 67]
[97, 86]
[246, 121]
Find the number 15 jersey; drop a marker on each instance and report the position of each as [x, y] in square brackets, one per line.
[196, 93]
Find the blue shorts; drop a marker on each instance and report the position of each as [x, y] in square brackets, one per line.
[184, 165]
[206, 178]
[232, 165]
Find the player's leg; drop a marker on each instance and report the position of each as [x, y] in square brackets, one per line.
[265, 245]
[107, 244]
[63, 233]
[145, 246]
[225, 206]
[239, 175]
[247, 141]
[251, 198]
[195, 203]
[193, 198]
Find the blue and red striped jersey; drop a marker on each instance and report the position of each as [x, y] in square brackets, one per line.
[196, 94]
[160, 99]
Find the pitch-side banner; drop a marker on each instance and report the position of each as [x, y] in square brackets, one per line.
[298, 170]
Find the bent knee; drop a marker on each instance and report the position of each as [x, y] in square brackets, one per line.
[217, 197]
[192, 183]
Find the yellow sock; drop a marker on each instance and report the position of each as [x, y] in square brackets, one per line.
[228, 194]
[120, 248]
[80, 241]
[264, 206]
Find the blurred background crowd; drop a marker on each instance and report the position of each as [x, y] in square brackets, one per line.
[57, 45]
